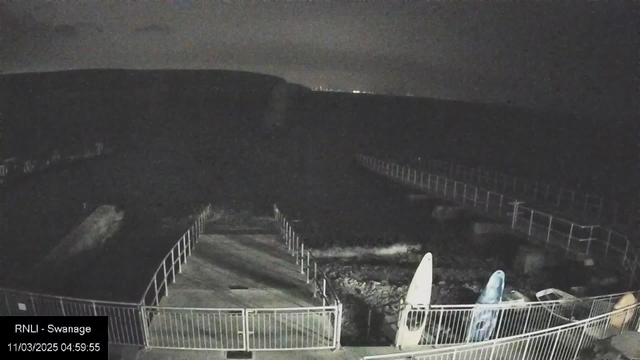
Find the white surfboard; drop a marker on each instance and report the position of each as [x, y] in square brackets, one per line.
[412, 319]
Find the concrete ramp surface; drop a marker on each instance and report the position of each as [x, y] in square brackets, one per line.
[91, 234]
[60, 267]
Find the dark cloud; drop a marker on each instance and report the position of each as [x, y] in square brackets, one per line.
[154, 28]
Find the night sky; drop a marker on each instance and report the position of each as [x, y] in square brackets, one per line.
[579, 57]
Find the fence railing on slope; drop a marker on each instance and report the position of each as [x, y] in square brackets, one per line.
[592, 208]
[15, 167]
[563, 342]
[175, 258]
[307, 262]
[539, 226]
[321, 285]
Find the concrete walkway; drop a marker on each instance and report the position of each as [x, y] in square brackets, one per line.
[239, 271]
[236, 290]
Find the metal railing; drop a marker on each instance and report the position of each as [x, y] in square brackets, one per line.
[125, 319]
[264, 329]
[14, 167]
[560, 342]
[547, 229]
[321, 284]
[590, 207]
[173, 261]
[302, 328]
[449, 324]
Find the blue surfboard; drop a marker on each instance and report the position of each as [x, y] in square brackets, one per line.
[483, 321]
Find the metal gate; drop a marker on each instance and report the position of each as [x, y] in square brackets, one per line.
[237, 329]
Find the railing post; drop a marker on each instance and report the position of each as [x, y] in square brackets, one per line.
[437, 180]
[526, 320]
[549, 229]
[608, 242]
[164, 268]
[569, 240]
[555, 345]
[475, 196]
[338, 327]
[185, 246]
[62, 308]
[590, 239]
[415, 176]
[626, 250]
[145, 326]
[188, 245]
[173, 268]
[487, 203]
[421, 179]
[514, 216]
[302, 260]
[429, 182]
[179, 259]
[155, 286]
[455, 189]
[578, 348]
[315, 279]
[308, 265]
[464, 194]
[439, 326]
[526, 347]
[324, 291]
[530, 222]
[445, 186]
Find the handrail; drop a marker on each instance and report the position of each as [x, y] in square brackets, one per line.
[187, 243]
[628, 249]
[544, 302]
[68, 297]
[491, 343]
[629, 256]
[592, 205]
[26, 166]
[297, 249]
